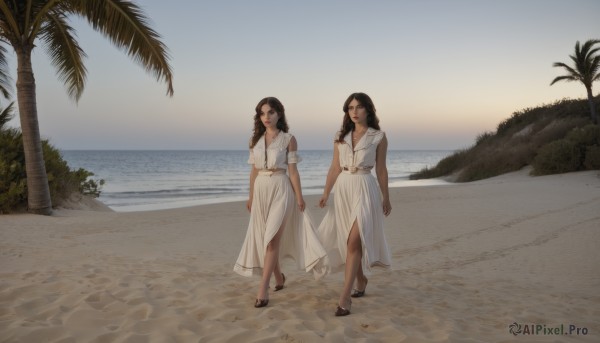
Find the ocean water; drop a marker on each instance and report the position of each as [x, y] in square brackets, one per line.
[148, 180]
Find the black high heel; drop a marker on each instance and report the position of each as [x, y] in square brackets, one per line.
[357, 293]
[280, 287]
[261, 303]
[342, 311]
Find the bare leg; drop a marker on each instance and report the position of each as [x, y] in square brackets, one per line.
[353, 262]
[277, 273]
[271, 262]
[361, 279]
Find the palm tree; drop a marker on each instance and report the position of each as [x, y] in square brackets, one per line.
[22, 22]
[586, 69]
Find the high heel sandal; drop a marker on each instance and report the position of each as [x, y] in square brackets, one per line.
[261, 303]
[280, 287]
[342, 311]
[357, 293]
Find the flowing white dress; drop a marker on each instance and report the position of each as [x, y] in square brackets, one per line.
[273, 204]
[357, 196]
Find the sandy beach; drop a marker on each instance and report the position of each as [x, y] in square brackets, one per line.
[469, 261]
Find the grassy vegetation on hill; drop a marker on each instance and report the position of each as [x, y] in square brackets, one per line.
[554, 138]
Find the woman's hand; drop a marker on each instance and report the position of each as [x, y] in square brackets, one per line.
[249, 204]
[387, 207]
[323, 201]
[301, 204]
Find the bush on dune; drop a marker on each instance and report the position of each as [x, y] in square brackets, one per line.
[577, 151]
[554, 138]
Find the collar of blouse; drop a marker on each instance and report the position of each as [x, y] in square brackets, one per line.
[364, 141]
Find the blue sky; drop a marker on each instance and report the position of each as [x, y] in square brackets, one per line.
[439, 72]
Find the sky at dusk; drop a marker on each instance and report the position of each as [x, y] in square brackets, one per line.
[439, 72]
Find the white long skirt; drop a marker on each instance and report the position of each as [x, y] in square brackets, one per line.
[356, 197]
[273, 204]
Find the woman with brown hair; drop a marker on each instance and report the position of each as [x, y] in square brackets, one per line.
[279, 223]
[352, 230]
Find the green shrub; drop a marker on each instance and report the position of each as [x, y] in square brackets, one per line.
[13, 187]
[495, 161]
[560, 156]
[484, 137]
[87, 185]
[61, 180]
[445, 167]
[519, 119]
[592, 158]
[577, 151]
[565, 108]
[585, 136]
[555, 130]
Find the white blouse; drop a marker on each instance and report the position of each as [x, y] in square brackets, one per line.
[364, 153]
[276, 156]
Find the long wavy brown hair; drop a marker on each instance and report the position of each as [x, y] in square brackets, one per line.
[259, 127]
[348, 124]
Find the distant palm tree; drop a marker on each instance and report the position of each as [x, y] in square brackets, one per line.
[22, 22]
[586, 69]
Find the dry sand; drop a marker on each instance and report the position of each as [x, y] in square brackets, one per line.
[469, 260]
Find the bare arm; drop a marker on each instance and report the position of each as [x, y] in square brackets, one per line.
[253, 173]
[382, 174]
[295, 176]
[334, 171]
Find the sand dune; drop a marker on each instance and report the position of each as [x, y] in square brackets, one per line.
[469, 261]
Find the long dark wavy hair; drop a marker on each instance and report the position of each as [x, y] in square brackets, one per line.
[348, 124]
[259, 127]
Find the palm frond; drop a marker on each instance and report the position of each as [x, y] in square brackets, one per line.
[587, 46]
[566, 78]
[5, 79]
[65, 53]
[577, 62]
[127, 27]
[593, 51]
[36, 15]
[6, 115]
[567, 67]
[595, 67]
[9, 22]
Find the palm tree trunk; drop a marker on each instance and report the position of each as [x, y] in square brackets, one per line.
[38, 192]
[592, 105]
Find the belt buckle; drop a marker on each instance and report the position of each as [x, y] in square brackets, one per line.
[353, 169]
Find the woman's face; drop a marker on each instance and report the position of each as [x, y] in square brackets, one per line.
[268, 116]
[357, 112]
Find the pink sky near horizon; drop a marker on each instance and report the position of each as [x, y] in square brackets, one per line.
[439, 72]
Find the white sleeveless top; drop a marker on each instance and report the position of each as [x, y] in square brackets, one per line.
[276, 155]
[365, 151]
